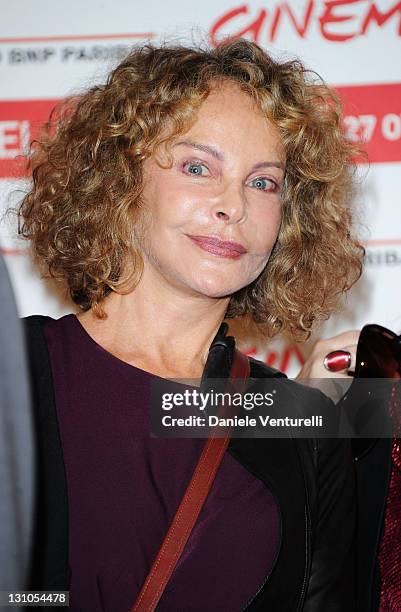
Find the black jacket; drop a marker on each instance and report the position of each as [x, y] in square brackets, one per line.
[373, 472]
[312, 481]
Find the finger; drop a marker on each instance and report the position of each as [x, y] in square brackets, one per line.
[337, 342]
[352, 350]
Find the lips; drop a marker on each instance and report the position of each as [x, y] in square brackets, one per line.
[216, 246]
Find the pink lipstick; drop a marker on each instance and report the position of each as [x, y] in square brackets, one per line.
[216, 246]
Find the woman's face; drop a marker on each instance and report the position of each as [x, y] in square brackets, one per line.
[211, 220]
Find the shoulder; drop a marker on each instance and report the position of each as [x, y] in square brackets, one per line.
[261, 370]
[36, 349]
[294, 389]
[50, 568]
[35, 322]
[33, 326]
[298, 401]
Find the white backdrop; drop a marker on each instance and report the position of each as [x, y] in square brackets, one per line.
[49, 50]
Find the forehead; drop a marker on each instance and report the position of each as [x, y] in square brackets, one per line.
[232, 118]
[227, 98]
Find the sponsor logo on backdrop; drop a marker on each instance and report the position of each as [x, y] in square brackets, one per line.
[384, 257]
[336, 21]
[37, 50]
[66, 54]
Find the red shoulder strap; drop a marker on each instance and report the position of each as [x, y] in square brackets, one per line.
[190, 506]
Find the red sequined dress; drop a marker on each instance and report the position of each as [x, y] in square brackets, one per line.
[390, 547]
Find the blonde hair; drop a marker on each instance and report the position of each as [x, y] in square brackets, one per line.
[87, 179]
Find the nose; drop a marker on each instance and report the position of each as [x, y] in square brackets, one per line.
[231, 206]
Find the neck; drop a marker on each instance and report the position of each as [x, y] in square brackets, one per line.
[164, 331]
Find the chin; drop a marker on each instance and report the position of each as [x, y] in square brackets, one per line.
[216, 287]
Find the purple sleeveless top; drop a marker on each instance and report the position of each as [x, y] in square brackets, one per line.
[124, 488]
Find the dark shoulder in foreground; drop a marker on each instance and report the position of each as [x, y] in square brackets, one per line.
[35, 343]
[298, 391]
[260, 370]
[35, 321]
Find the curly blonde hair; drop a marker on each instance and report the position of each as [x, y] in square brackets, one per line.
[87, 179]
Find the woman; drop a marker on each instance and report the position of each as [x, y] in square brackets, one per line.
[194, 186]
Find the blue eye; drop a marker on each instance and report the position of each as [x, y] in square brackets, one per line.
[264, 184]
[195, 168]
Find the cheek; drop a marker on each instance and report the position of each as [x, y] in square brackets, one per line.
[265, 231]
[174, 206]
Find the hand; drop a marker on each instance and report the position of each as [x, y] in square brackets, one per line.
[313, 366]
[314, 374]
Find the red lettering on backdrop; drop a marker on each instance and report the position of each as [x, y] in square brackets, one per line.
[300, 28]
[13, 138]
[272, 358]
[329, 17]
[275, 24]
[289, 353]
[380, 18]
[332, 14]
[20, 122]
[253, 28]
[373, 112]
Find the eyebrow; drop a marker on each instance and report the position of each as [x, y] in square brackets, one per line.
[219, 155]
[201, 147]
